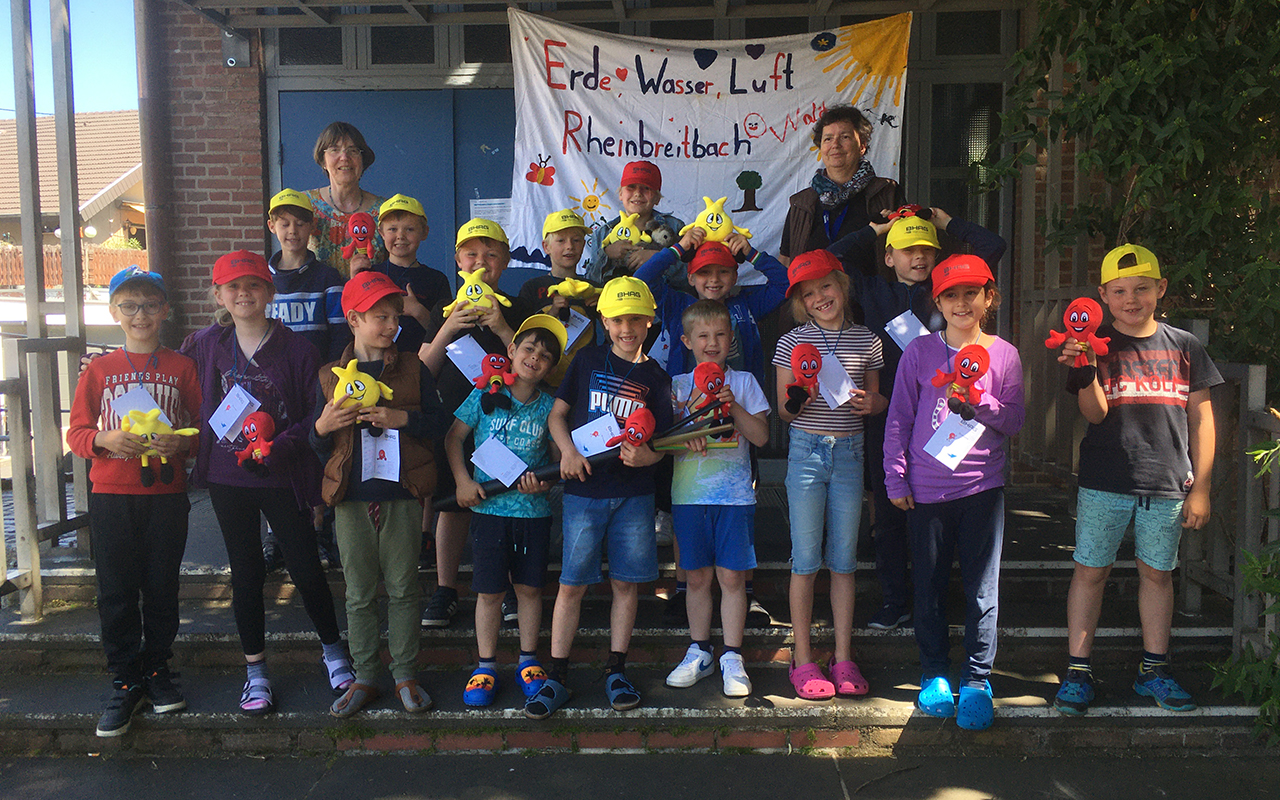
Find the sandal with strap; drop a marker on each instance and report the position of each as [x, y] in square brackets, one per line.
[256, 698]
[810, 683]
[847, 678]
[356, 697]
[622, 693]
[481, 688]
[413, 697]
[548, 700]
[341, 675]
[530, 676]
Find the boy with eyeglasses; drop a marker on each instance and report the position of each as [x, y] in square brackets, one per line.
[139, 522]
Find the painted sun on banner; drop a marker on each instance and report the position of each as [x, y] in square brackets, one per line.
[720, 119]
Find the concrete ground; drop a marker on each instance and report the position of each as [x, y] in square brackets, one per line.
[667, 776]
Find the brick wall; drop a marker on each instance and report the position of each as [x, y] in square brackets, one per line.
[217, 126]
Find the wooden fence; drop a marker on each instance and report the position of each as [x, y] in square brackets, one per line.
[100, 264]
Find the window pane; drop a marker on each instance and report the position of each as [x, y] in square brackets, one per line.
[764, 27]
[310, 47]
[486, 44]
[703, 29]
[965, 123]
[968, 33]
[403, 45]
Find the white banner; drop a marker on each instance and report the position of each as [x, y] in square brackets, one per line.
[721, 119]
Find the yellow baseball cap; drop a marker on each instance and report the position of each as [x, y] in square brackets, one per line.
[1146, 265]
[625, 295]
[290, 197]
[547, 322]
[400, 202]
[559, 220]
[480, 227]
[911, 231]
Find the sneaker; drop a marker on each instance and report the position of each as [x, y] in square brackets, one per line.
[734, 675]
[1075, 694]
[441, 609]
[697, 664]
[675, 614]
[329, 557]
[888, 618]
[1161, 686]
[757, 616]
[272, 556]
[163, 693]
[117, 715]
[510, 607]
[663, 528]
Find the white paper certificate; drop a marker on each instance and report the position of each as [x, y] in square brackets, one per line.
[575, 327]
[834, 383]
[467, 355]
[380, 455]
[590, 438]
[229, 417]
[904, 328]
[953, 440]
[137, 399]
[496, 459]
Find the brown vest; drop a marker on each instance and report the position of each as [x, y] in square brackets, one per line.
[881, 195]
[417, 458]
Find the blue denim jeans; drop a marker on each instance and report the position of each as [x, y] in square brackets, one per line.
[824, 488]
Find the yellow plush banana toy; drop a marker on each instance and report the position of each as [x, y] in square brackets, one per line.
[476, 292]
[715, 222]
[148, 425]
[627, 231]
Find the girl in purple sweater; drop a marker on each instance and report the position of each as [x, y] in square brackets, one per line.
[948, 474]
[278, 368]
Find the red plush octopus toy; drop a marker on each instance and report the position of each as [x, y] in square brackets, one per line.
[495, 373]
[637, 429]
[361, 226]
[258, 430]
[806, 363]
[708, 378]
[971, 364]
[1081, 319]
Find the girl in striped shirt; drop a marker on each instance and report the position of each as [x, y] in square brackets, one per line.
[824, 463]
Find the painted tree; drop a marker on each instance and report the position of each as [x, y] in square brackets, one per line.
[748, 182]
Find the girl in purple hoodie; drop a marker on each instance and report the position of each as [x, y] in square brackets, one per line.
[947, 472]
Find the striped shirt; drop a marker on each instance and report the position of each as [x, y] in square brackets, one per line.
[857, 349]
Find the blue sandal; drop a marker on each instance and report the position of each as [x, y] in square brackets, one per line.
[974, 711]
[548, 700]
[482, 688]
[622, 694]
[935, 698]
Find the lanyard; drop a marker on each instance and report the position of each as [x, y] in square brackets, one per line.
[830, 350]
[826, 222]
[608, 366]
[151, 360]
[236, 374]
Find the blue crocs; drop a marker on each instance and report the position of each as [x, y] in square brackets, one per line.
[974, 711]
[530, 676]
[1161, 686]
[1075, 694]
[935, 698]
[482, 688]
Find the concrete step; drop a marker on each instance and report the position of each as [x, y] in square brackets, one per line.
[44, 714]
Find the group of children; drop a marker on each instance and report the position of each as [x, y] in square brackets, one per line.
[422, 397]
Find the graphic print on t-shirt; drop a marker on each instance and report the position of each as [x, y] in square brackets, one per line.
[1159, 377]
[614, 394]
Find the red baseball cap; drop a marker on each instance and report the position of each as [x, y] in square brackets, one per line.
[810, 265]
[712, 253]
[240, 264]
[644, 173]
[366, 288]
[960, 270]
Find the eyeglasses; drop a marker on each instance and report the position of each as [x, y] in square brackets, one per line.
[349, 152]
[131, 309]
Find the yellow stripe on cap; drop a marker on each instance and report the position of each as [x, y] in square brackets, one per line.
[562, 219]
[480, 227]
[290, 197]
[1147, 265]
[400, 202]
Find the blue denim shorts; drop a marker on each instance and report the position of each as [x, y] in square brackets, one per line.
[1103, 517]
[622, 525]
[715, 536]
[824, 489]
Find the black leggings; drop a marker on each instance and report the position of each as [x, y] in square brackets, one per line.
[238, 509]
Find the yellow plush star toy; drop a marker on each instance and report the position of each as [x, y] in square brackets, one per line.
[357, 388]
[148, 425]
[627, 231]
[715, 222]
[476, 292]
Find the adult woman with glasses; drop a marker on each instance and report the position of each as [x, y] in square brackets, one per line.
[343, 155]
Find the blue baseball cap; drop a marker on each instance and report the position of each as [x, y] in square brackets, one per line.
[136, 273]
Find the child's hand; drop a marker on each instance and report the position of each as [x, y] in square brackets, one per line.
[573, 465]
[469, 493]
[725, 395]
[941, 219]
[637, 257]
[129, 445]
[558, 302]
[169, 445]
[333, 418]
[692, 239]
[531, 485]
[698, 445]
[904, 503]
[863, 402]
[359, 262]
[1072, 348]
[87, 358]
[463, 317]
[414, 308]
[738, 244]
[880, 228]
[383, 417]
[639, 455]
[1195, 510]
[492, 319]
[619, 251]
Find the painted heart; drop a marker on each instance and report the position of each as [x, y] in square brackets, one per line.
[704, 57]
[621, 72]
[754, 50]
